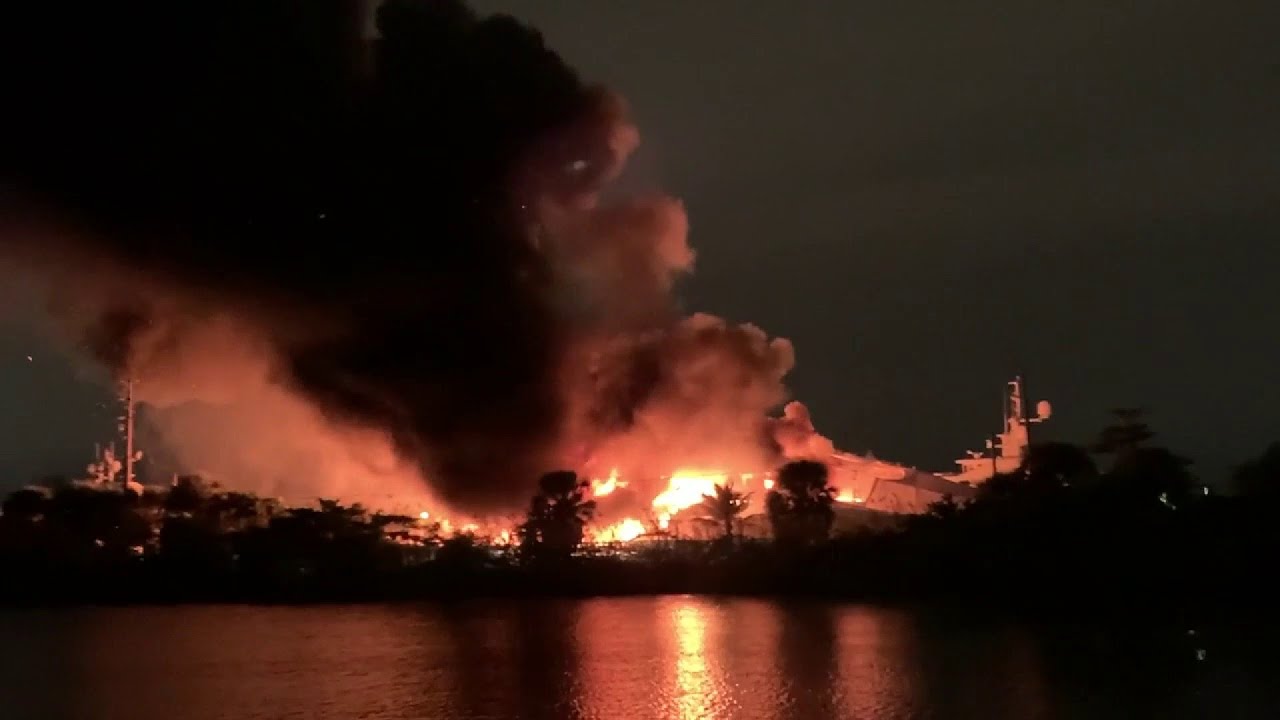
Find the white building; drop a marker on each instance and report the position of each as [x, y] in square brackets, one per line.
[890, 487]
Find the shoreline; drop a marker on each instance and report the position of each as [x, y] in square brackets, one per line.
[522, 586]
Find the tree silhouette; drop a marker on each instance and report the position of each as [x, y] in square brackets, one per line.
[200, 523]
[1045, 473]
[1058, 464]
[108, 519]
[725, 506]
[1127, 432]
[26, 505]
[558, 516]
[1140, 473]
[1259, 477]
[331, 541]
[799, 505]
[186, 496]
[235, 511]
[461, 552]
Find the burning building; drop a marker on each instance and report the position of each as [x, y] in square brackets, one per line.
[378, 261]
[863, 483]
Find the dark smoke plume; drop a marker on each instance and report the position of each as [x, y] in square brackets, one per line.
[400, 227]
[359, 206]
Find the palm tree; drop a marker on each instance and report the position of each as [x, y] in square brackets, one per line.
[1127, 434]
[558, 516]
[725, 506]
[799, 505]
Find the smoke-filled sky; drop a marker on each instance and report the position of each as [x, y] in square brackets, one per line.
[927, 196]
[924, 198]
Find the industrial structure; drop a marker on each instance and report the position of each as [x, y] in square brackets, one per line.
[888, 487]
[1006, 450]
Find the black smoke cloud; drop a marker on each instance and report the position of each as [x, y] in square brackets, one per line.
[356, 203]
[402, 224]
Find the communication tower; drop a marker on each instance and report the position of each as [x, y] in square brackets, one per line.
[126, 428]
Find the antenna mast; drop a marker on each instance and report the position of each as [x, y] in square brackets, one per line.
[1022, 416]
[128, 430]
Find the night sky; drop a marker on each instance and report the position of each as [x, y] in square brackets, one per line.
[926, 197]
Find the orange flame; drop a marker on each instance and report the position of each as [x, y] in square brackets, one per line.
[601, 488]
[847, 497]
[625, 530]
[686, 488]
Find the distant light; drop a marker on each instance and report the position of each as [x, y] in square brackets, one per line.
[578, 165]
[424, 515]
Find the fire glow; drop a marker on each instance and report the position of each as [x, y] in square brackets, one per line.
[627, 518]
[626, 530]
[601, 488]
[570, 276]
[684, 489]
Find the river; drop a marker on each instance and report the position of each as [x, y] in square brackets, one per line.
[633, 658]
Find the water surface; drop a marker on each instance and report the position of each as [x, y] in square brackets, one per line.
[666, 657]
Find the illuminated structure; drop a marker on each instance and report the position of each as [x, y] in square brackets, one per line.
[873, 484]
[1006, 450]
[106, 468]
[126, 427]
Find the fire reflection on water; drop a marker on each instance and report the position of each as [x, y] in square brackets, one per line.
[874, 645]
[696, 693]
[600, 659]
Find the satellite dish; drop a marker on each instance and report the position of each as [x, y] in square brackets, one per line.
[1043, 410]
